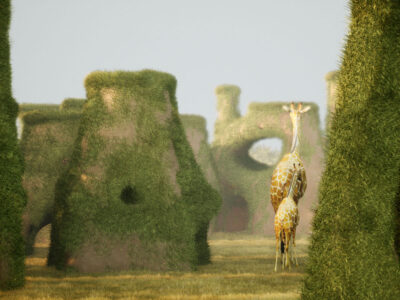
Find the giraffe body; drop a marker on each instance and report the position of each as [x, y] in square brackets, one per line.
[282, 176]
[288, 185]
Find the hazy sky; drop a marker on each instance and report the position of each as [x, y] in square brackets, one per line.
[273, 50]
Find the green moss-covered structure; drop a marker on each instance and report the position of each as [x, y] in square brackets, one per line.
[133, 196]
[197, 136]
[244, 182]
[352, 253]
[47, 140]
[331, 79]
[12, 196]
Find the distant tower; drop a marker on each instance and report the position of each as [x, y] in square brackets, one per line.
[227, 107]
[331, 86]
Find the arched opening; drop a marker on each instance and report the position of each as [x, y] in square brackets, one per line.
[266, 151]
[40, 248]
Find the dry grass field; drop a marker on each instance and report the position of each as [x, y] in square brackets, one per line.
[242, 268]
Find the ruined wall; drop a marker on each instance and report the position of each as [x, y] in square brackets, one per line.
[49, 132]
[197, 136]
[48, 135]
[133, 196]
[245, 182]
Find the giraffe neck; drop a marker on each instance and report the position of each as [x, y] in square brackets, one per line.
[295, 140]
[292, 185]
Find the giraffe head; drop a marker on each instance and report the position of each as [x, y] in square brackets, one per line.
[296, 113]
[295, 117]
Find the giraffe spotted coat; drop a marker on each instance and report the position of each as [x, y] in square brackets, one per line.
[282, 176]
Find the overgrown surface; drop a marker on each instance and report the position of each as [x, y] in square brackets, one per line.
[352, 255]
[12, 197]
[133, 196]
[244, 182]
[46, 144]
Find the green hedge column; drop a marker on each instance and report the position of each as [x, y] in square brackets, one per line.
[12, 197]
[352, 253]
[134, 196]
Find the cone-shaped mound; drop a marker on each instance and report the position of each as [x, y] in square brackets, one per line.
[133, 196]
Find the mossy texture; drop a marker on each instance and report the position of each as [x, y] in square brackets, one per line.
[133, 196]
[47, 141]
[12, 196]
[352, 252]
[196, 134]
[245, 182]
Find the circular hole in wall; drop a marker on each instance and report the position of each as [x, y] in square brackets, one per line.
[266, 151]
[129, 195]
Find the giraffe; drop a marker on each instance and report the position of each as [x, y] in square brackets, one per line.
[286, 221]
[283, 173]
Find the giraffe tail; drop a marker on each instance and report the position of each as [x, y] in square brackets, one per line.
[282, 247]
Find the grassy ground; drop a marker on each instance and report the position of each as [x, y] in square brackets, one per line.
[242, 268]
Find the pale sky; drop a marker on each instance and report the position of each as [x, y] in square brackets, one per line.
[273, 50]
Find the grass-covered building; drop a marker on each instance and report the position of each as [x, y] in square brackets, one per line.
[48, 136]
[133, 196]
[244, 182]
[352, 253]
[12, 196]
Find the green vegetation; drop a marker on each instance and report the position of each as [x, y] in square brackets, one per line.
[241, 268]
[46, 144]
[244, 182]
[197, 136]
[352, 253]
[12, 196]
[73, 104]
[133, 196]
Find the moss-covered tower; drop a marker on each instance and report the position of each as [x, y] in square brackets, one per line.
[133, 196]
[352, 252]
[47, 140]
[12, 196]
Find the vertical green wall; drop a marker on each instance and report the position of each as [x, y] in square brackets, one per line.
[352, 252]
[12, 196]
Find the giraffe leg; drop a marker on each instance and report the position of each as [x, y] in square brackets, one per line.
[278, 242]
[294, 247]
[287, 241]
[282, 254]
[291, 251]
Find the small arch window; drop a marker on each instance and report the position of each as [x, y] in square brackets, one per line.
[266, 151]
